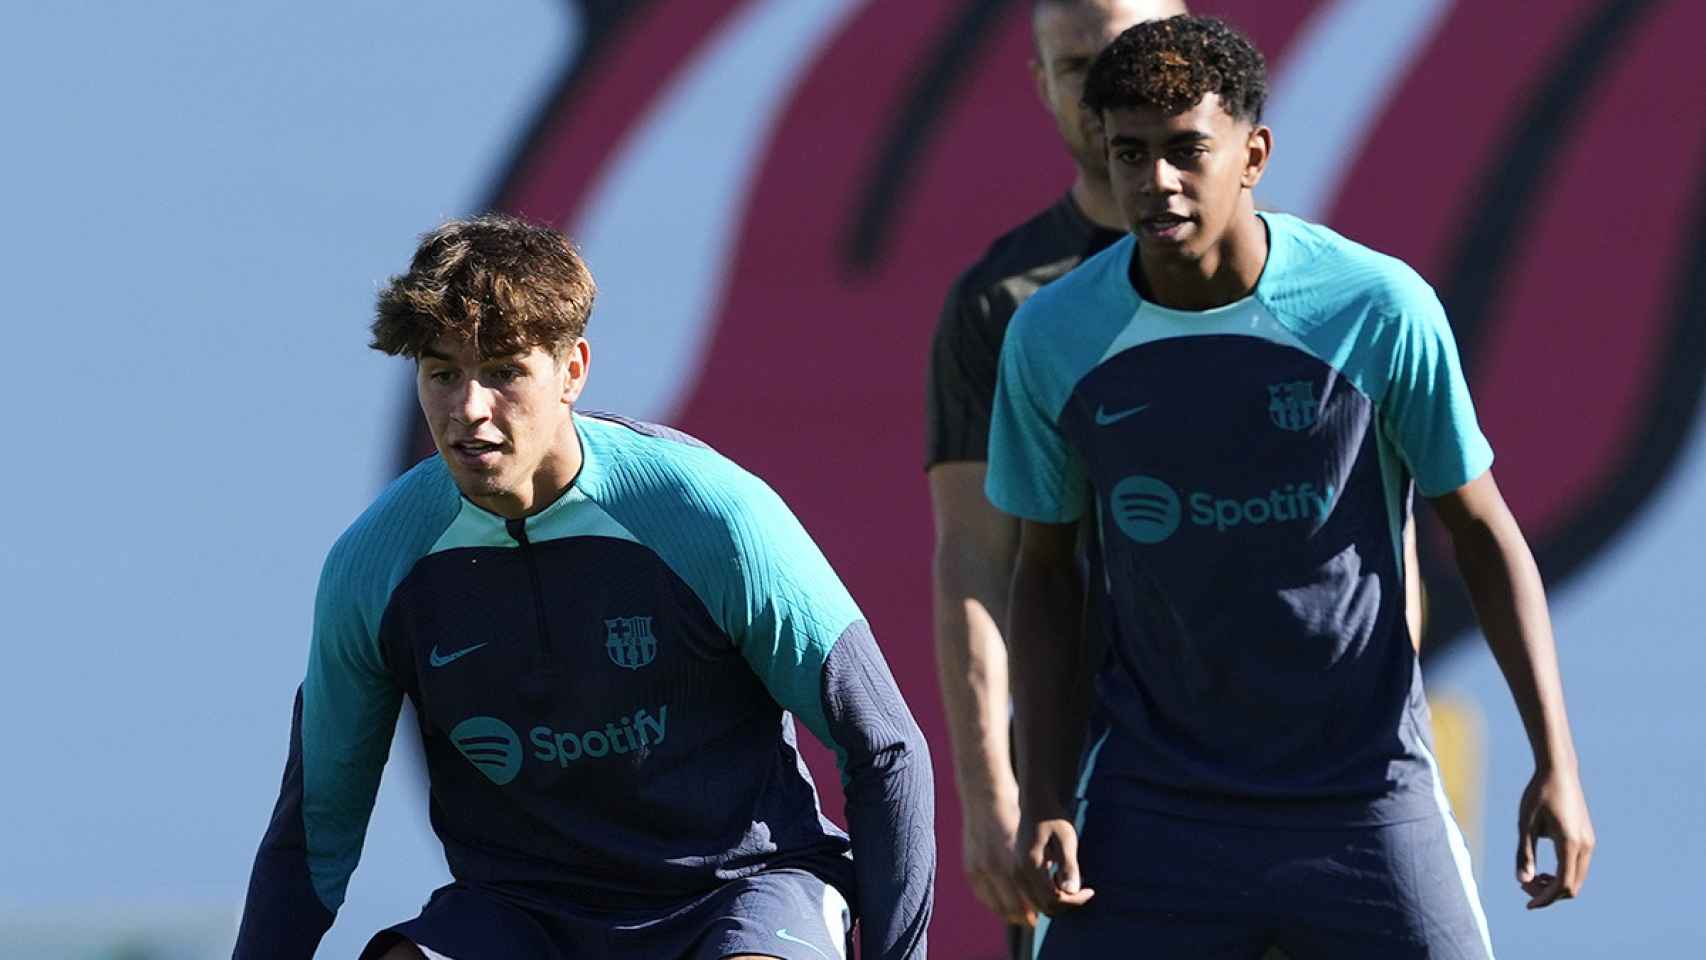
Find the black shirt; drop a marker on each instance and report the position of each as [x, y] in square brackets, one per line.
[965, 353]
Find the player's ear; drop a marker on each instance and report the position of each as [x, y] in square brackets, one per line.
[576, 359]
[1258, 147]
[1039, 81]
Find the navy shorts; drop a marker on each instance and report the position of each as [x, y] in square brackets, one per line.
[1173, 887]
[786, 913]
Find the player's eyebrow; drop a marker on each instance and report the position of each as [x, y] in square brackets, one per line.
[1177, 139]
[428, 353]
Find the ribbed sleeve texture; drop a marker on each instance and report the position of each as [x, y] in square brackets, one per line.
[284, 916]
[890, 797]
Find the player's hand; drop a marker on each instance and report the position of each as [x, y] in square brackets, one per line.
[1046, 867]
[990, 830]
[1553, 807]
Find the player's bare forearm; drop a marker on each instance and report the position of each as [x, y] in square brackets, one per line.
[973, 567]
[1510, 601]
[971, 665]
[1044, 644]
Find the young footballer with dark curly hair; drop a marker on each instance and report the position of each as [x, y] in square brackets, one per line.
[1245, 402]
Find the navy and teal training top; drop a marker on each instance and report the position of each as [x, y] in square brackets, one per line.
[605, 692]
[1250, 468]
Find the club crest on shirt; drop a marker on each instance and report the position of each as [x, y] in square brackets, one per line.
[630, 642]
[1291, 406]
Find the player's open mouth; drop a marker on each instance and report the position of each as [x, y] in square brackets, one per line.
[1164, 226]
[477, 452]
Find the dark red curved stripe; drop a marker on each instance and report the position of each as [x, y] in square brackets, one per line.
[1420, 169]
[1566, 375]
[591, 118]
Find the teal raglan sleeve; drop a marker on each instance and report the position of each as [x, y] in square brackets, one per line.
[1427, 412]
[804, 637]
[341, 729]
[1034, 474]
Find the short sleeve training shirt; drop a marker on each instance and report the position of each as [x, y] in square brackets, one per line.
[1249, 469]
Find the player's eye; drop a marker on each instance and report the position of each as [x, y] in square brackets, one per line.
[441, 376]
[510, 374]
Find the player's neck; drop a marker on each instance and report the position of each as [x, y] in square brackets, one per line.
[551, 479]
[1095, 200]
[1227, 273]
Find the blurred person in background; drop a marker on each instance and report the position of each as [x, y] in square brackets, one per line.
[975, 543]
[606, 630]
[1243, 403]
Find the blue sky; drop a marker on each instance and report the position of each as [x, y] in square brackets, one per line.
[203, 199]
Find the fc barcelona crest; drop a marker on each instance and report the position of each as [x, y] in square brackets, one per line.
[1291, 406]
[630, 642]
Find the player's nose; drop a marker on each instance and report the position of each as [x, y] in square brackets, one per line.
[474, 403]
[1158, 177]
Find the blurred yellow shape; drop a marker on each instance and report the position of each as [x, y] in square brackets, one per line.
[1460, 748]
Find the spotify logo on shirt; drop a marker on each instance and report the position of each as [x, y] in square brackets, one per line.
[1145, 509]
[1149, 510]
[492, 746]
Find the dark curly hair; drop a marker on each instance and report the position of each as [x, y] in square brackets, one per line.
[497, 282]
[1172, 64]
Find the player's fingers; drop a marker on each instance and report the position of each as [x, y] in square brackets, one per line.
[1549, 886]
[1568, 881]
[1525, 853]
[1066, 877]
[1030, 875]
[1036, 855]
[998, 893]
[1013, 903]
[1039, 890]
[1573, 853]
[1546, 890]
[1584, 856]
[1024, 908]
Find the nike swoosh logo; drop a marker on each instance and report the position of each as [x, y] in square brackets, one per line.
[439, 661]
[783, 933]
[1106, 419]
